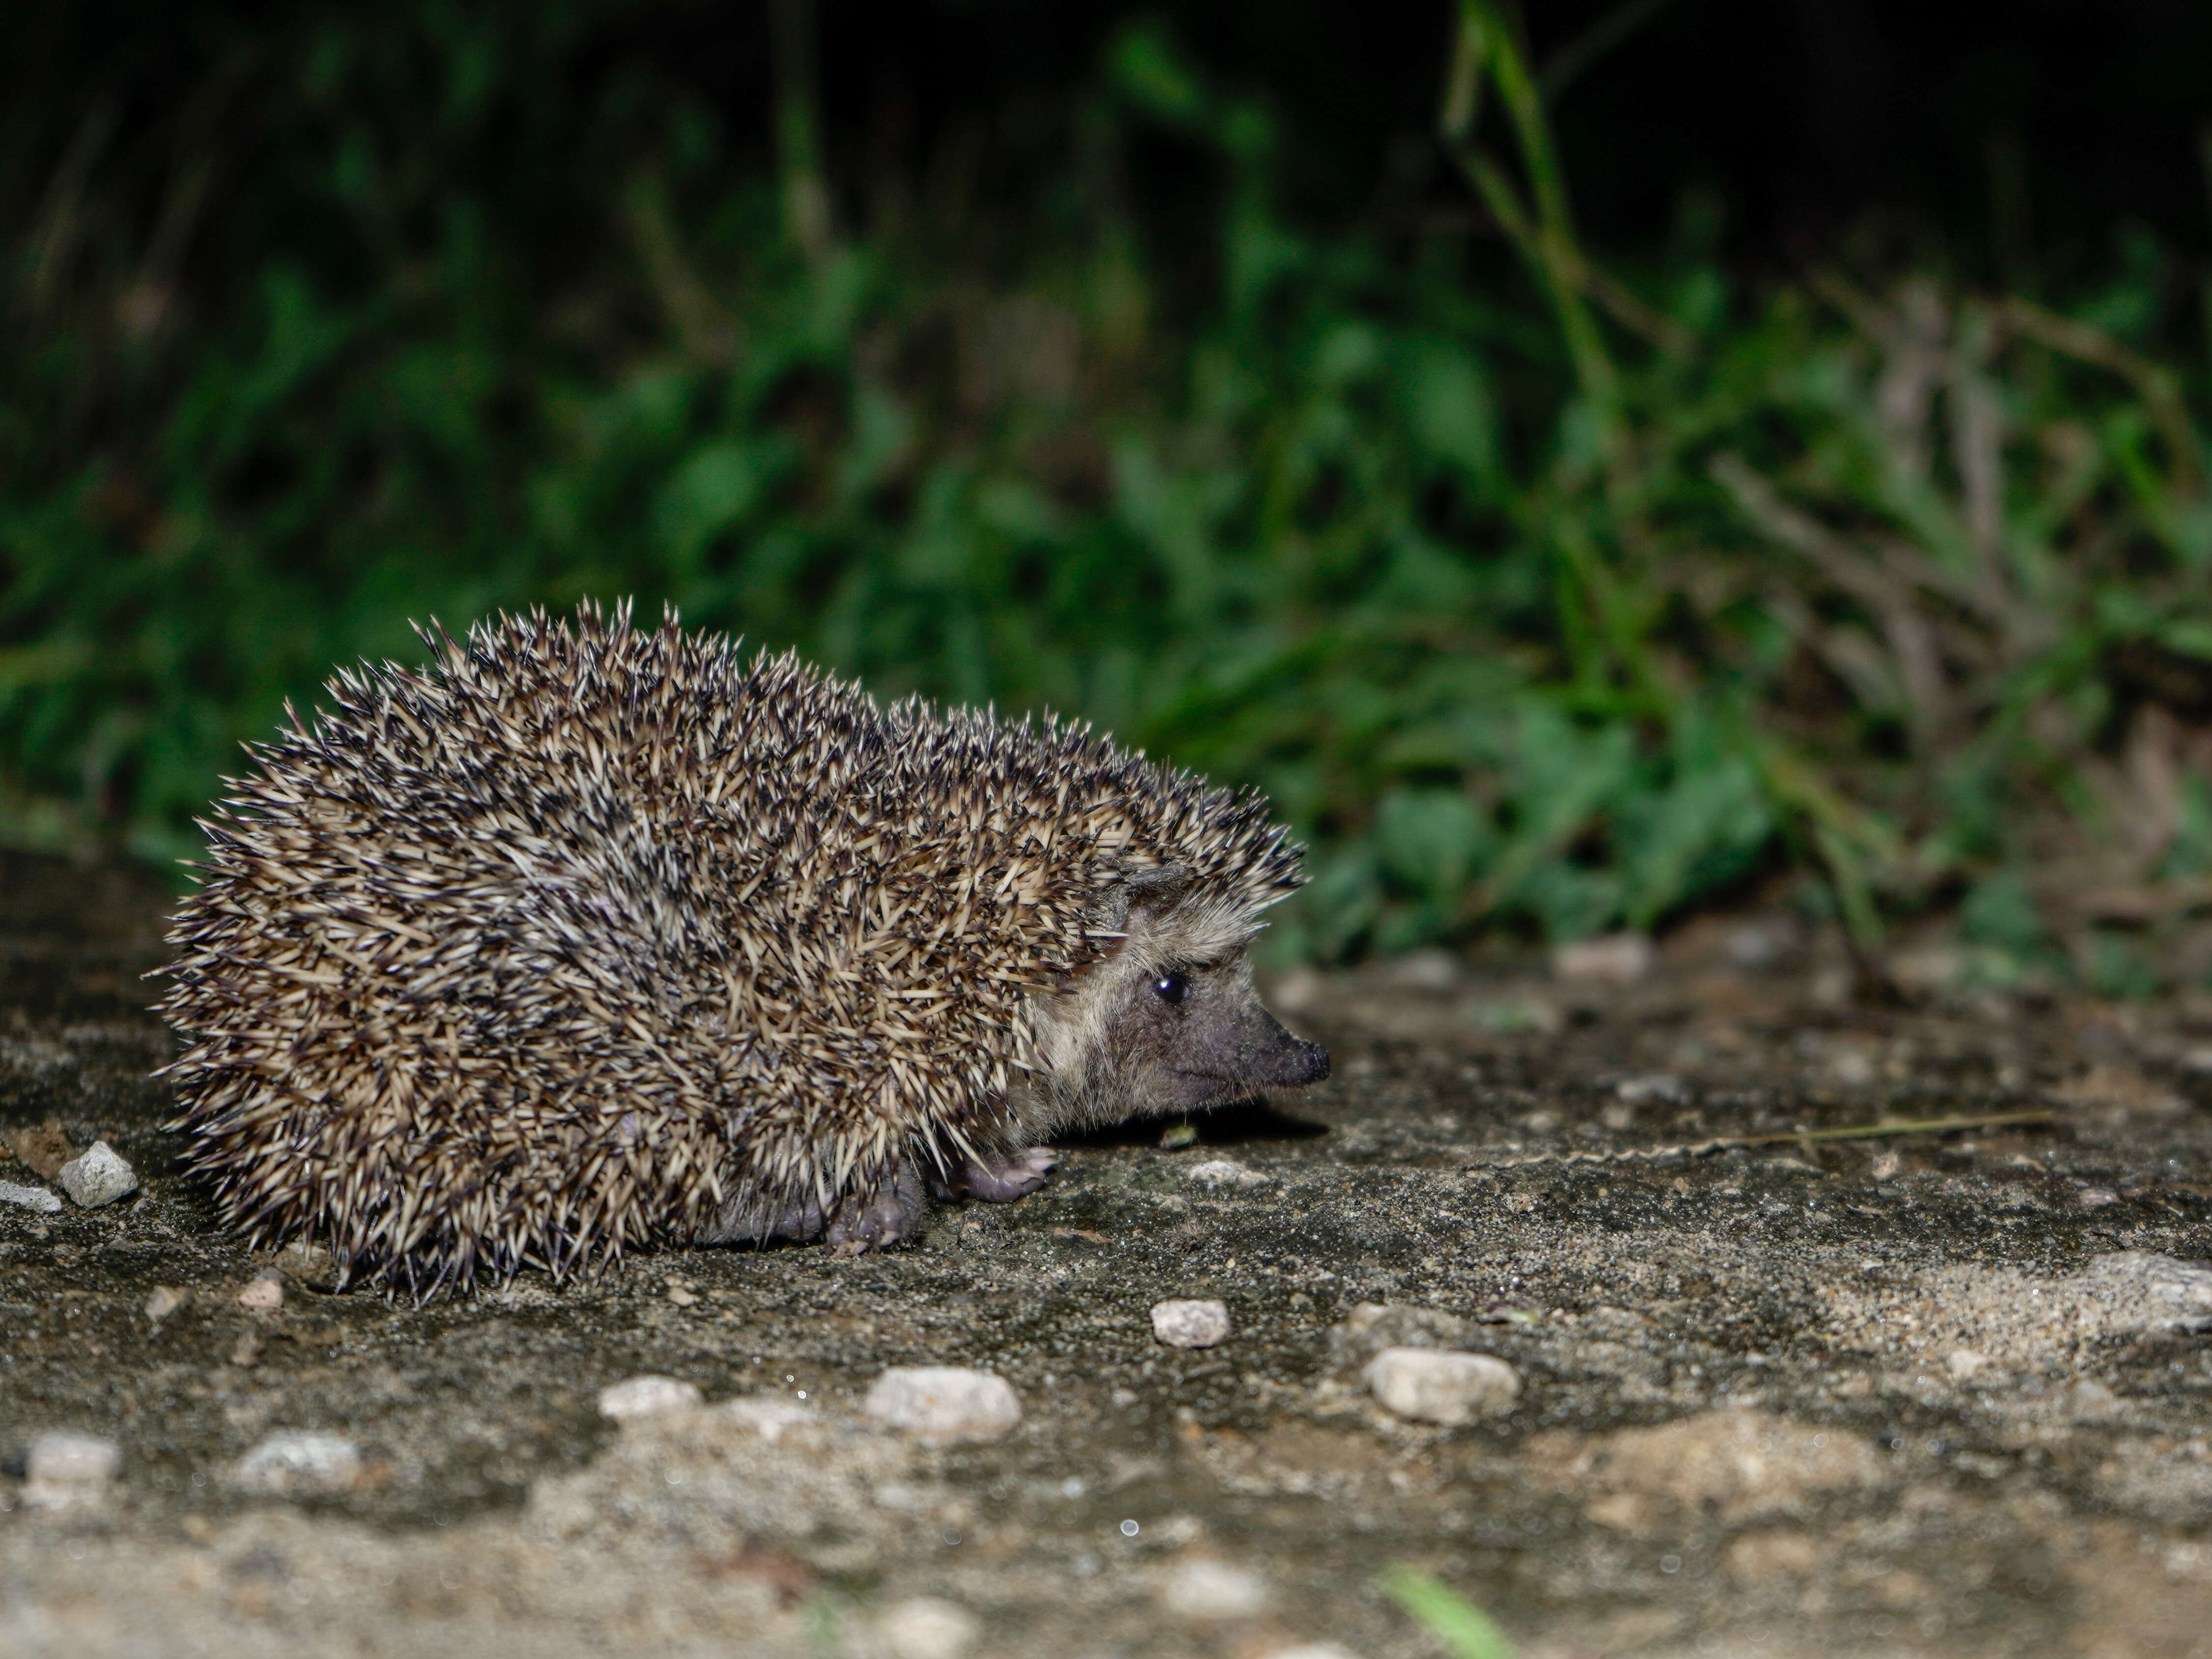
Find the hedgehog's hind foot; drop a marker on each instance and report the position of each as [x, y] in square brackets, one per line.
[755, 1220]
[878, 1217]
[887, 1211]
[998, 1177]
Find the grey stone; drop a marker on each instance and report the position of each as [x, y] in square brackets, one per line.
[1190, 1324]
[164, 1300]
[64, 1468]
[1371, 1327]
[945, 1402]
[297, 1462]
[1218, 1172]
[2157, 1289]
[1433, 1385]
[925, 1627]
[99, 1176]
[1663, 1087]
[648, 1396]
[31, 1198]
[1204, 1590]
[1615, 959]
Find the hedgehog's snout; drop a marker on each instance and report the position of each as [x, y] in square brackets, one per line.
[1279, 1061]
[1246, 1046]
[1297, 1063]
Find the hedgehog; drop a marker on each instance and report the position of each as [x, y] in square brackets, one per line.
[587, 937]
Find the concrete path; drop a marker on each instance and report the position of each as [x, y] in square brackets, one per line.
[1918, 1394]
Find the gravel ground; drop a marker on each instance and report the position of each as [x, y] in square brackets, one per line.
[1925, 1393]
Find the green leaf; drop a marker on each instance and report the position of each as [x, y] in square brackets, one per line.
[1430, 840]
[711, 492]
[1448, 406]
[1154, 76]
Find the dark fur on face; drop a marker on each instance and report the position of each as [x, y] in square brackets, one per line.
[1167, 1022]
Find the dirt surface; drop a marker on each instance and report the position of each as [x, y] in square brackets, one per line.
[1918, 1394]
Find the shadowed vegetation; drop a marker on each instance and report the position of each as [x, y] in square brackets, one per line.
[1544, 597]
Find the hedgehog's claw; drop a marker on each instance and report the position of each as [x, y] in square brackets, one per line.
[876, 1218]
[998, 1178]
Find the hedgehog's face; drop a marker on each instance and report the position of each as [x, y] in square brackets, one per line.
[1190, 1032]
[1168, 1022]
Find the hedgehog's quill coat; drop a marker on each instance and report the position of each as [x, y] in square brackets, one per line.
[584, 936]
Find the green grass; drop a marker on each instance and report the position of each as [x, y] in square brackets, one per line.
[1542, 599]
[1463, 1628]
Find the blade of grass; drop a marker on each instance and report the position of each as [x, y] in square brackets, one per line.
[1561, 67]
[1544, 235]
[1924, 1125]
[1462, 1626]
[2158, 386]
[1919, 1126]
[799, 129]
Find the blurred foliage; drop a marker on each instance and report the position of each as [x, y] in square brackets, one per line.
[1538, 598]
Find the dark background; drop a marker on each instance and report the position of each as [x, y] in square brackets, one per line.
[2002, 135]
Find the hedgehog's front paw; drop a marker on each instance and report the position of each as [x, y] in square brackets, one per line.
[1001, 1177]
[876, 1218]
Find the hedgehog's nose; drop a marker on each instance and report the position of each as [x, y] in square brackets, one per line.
[1301, 1063]
[1288, 1062]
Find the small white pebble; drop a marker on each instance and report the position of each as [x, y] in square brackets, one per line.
[263, 1293]
[31, 1198]
[1212, 1589]
[925, 1627]
[648, 1396]
[2090, 1401]
[1963, 1364]
[64, 1468]
[1222, 1172]
[165, 1301]
[1432, 970]
[1437, 1385]
[680, 1297]
[1190, 1324]
[99, 1176]
[767, 1415]
[1615, 959]
[1852, 1068]
[296, 1462]
[945, 1402]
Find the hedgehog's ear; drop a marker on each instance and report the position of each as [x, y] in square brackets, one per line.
[1156, 887]
[1148, 893]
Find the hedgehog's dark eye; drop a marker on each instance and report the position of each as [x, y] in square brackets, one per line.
[1171, 988]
